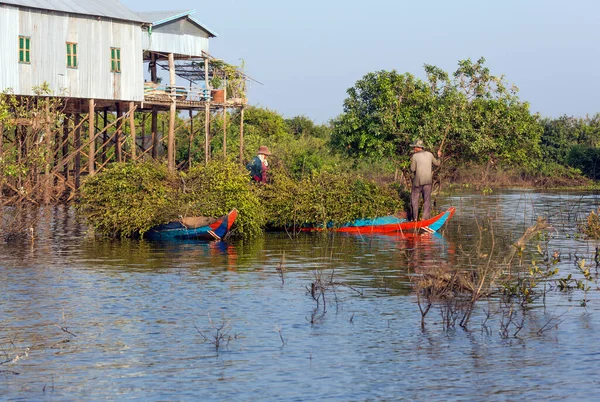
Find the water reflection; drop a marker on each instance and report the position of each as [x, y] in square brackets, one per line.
[132, 307]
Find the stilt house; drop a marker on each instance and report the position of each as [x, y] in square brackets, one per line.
[101, 58]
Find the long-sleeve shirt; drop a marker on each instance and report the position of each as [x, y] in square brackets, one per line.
[421, 164]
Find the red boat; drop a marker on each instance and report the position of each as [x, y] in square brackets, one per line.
[389, 224]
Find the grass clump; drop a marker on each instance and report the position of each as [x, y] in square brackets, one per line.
[591, 228]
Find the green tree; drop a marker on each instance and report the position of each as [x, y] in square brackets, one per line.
[382, 114]
[475, 114]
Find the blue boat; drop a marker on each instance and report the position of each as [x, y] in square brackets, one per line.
[189, 229]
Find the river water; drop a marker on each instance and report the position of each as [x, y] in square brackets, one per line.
[84, 319]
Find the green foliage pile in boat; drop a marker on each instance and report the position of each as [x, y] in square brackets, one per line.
[217, 188]
[325, 197]
[127, 199]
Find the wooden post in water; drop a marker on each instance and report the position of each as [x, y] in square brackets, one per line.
[132, 129]
[76, 145]
[92, 129]
[172, 113]
[242, 136]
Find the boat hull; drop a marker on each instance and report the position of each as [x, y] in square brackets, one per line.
[391, 224]
[177, 231]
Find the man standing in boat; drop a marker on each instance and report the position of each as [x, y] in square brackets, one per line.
[259, 166]
[421, 163]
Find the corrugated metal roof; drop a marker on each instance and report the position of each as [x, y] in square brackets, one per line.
[158, 17]
[98, 8]
[162, 17]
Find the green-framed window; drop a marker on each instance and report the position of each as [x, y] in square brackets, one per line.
[24, 49]
[71, 54]
[115, 59]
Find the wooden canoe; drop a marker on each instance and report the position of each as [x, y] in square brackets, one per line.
[390, 224]
[192, 228]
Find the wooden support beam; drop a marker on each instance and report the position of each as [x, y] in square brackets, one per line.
[76, 145]
[92, 132]
[242, 136]
[153, 76]
[191, 142]
[105, 135]
[1, 138]
[118, 150]
[132, 107]
[65, 146]
[172, 115]
[225, 120]
[225, 133]
[49, 156]
[154, 132]
[206, 114]
[206, 132]
[144, 147]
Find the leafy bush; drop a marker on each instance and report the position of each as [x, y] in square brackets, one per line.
[586, 159]
[128, 199]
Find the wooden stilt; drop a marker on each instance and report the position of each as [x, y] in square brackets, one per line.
[132, 130]
[105, 136]
[242, 136]
[225, 133]
[153, 76]
[76, 145]
[206, 132]
[154, 133]
[225, 120]
[1, 138]
[118, 150]
[65, 146]
[92, 129]
[49, 156]
[206, 114]
[143, 133]
[172, 113]
[191, 139]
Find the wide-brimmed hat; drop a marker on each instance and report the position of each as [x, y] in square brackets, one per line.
[417, 144]
[263, 150]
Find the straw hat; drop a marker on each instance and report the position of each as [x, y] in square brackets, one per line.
[418, 144]
[263, 150]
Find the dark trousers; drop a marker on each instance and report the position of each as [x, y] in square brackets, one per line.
[414, 201]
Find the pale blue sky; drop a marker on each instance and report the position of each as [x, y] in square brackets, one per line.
[308, 53]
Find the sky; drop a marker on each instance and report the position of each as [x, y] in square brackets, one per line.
[306, 54]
